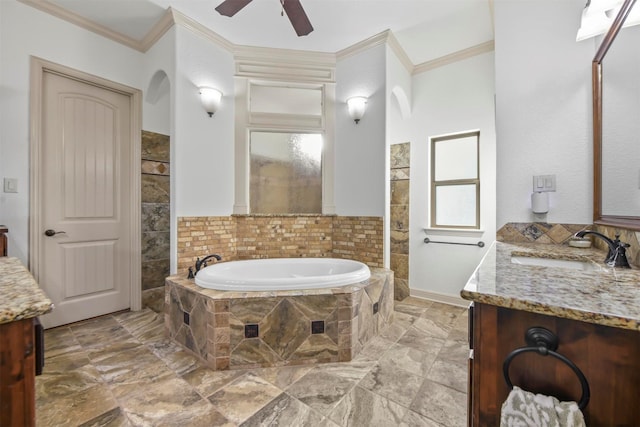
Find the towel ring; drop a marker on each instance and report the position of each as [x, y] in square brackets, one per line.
[545, 342]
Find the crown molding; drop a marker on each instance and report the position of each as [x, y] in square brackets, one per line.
[59, 12]
[373, 41]
[395, 46]
[268, 63]
[157, 31]
[460, 55]
[194, 26]
[259, 61]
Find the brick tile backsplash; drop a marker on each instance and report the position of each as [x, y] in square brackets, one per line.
[280, 236]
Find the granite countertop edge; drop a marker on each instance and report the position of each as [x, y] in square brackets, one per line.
[20, 296]
[609, 296]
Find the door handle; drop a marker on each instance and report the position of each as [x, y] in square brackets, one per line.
[51, 232]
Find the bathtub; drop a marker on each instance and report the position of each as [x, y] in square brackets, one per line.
[279, 274]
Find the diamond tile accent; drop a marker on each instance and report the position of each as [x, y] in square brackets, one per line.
[523, 232]
[285, 328]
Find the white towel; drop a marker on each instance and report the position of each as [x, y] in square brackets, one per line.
[525, 409]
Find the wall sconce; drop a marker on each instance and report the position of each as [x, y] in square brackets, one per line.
[210, 98]
[356, 106]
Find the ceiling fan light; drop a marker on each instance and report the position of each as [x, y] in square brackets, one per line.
[597, 17]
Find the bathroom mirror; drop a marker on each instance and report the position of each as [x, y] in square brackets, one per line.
[616, 128]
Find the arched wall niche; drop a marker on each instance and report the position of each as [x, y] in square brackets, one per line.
[158, 87]
[402, 102]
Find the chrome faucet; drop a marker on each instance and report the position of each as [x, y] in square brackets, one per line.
[617, 256]
[202, 263]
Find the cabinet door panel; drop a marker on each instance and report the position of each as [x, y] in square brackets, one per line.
[608, 357]
[17, 374]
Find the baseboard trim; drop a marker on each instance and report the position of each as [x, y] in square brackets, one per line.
[438, 297]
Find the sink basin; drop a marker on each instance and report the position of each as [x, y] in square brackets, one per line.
[556, 263]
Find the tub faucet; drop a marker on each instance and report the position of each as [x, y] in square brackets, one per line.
[617, 256]
[201, 263]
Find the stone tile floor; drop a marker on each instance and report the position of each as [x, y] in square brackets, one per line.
[119, 370]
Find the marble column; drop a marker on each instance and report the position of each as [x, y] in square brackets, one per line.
[155, 218]
[400, 168]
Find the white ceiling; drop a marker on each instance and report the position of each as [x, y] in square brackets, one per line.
[426, 29]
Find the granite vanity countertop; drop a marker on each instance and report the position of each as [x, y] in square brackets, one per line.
[20, 295]
[606, 296]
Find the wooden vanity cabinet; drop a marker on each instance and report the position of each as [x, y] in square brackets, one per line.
[609, 357]
[17, 373]
[3, 241]
[21, 342]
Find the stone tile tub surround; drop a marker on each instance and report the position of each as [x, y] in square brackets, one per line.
[400, 162]
[155, 217]
[609, 296]
[219, 327]
[280, 236]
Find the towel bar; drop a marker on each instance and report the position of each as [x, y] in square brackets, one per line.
[480, 244]
[545, 342]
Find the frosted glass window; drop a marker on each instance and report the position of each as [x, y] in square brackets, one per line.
[457, 158]
[286, 173]
[285, 100]
[458, 205]
[455, 181]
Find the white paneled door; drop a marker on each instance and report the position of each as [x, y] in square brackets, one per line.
[85, 264]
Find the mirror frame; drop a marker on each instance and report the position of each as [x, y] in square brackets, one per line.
[628, 222]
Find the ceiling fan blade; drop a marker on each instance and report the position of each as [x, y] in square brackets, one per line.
[231, 7]
[297, 16]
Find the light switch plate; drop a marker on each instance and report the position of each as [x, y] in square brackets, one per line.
[10, 185]
[544, 183]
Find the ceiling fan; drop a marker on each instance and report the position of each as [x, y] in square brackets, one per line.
[293, 8]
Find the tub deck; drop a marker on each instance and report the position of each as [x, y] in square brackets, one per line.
[240, 330]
